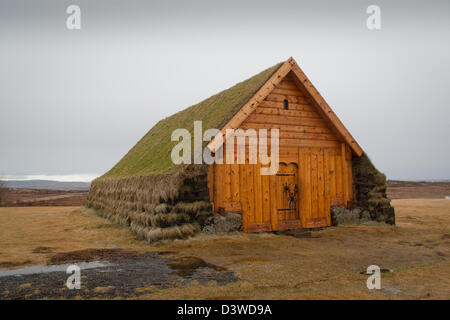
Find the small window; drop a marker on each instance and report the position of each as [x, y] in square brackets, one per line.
[285, 104]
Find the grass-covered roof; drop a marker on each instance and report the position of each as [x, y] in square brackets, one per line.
[151, 155]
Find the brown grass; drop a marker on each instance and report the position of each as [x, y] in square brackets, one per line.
[418, 189]
[104, 289]
[326, 265]
[24, 231]
[22, 197]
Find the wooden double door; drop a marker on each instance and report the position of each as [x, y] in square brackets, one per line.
[287, 194]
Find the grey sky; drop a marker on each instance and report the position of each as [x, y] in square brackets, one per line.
[74, 102]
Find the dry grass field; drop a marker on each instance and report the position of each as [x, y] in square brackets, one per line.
[417, 189]
[325, 265]
[23, 197]
[31, 235]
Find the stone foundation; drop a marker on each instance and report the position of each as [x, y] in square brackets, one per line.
[341, 215]
[228, 223]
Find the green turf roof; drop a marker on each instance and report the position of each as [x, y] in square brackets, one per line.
[151, 155]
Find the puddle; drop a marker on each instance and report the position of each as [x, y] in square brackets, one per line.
[52, 268]
[123, 270]
[186, 266]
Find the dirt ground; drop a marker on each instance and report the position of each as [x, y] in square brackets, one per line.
[327, 264]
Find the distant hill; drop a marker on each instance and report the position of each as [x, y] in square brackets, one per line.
[418, 189]
[48, 184]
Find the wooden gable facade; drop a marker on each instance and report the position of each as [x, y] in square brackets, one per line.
[315, 152]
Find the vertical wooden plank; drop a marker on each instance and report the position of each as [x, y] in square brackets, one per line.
[227, 183]
[251, 192]
[279, 191]
[286, 180]
[234, 182]
[243, 195]
[287, 214]
[350, 179]
[326, 165]
[266, 198]
[219, 185]
[301, 184]
[332, 174]
[211, 181]
[273, 202]
[339, 180]
[344, 174]
[314, 186]
[307, 214]
[258, 193]
[320, 185]
[293, 169]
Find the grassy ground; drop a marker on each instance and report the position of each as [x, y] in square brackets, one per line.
[31, 235]
[325, 265]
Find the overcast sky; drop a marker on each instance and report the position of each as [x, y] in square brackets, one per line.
[73, 102]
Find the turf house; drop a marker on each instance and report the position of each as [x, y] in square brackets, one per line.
[323, 175]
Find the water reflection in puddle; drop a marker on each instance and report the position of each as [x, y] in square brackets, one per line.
[53, 268]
